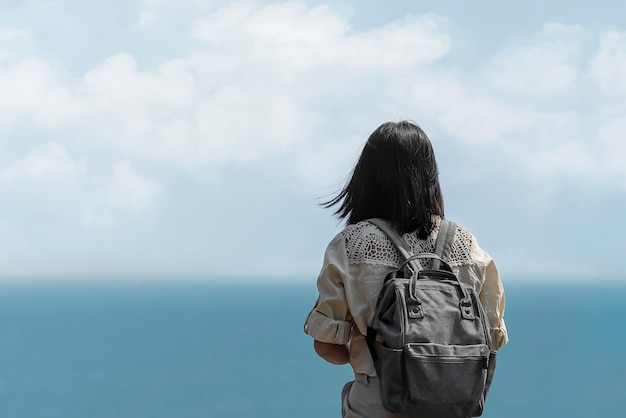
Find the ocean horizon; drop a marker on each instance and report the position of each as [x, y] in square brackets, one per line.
[187, 350]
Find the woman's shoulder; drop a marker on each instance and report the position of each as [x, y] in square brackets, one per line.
[463, 247]
[365, 243]
[361, 230]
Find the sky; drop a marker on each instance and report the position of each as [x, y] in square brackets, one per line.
[196, 139]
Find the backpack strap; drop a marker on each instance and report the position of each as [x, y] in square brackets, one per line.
[445, 239]
[443, 245]
[400, 243]
[404, 249]
[397, 240]
[443, 248]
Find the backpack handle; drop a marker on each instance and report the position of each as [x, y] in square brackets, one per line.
[443, 264]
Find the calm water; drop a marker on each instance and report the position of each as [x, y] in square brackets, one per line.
[187, 351]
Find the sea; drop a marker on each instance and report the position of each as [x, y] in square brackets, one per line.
[194, 350]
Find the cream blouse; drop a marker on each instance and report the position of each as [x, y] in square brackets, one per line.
[355, 264]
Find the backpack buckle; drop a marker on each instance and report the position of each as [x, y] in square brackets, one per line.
[467, 310]
[413, 303]
[414, 308]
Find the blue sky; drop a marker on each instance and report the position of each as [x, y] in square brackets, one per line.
[196, 138]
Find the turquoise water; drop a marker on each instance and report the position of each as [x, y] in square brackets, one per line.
[186, 351]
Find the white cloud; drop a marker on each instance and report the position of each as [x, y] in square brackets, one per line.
[56, 183]
[589, 157]
[127, 192]
[328, 166]
[567, 158]
[295, 88]
[130, 190]
[246, 91]
[29, 86]
[146, 17]
[608, 67]
[29, 90]
[542, 69]
[47, 162]
[151, 12]
[147, 13]
[318, 36]
[466, 111]
[164, 116]
[9, 36]
[535, 107]
[13, 42]
[118, 87]
[239, 124]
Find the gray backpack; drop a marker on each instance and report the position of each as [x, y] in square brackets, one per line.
[435, 360]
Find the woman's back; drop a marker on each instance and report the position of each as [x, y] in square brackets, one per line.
[396, 179]
[356, 264]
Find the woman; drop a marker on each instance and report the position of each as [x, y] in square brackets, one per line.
[396, 178]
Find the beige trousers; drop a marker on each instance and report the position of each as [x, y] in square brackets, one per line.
[361, 399]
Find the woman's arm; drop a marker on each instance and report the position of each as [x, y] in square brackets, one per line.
[330, 322]
[332, 353]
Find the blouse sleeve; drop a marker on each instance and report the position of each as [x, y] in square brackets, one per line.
[491, 296]
[330, 321]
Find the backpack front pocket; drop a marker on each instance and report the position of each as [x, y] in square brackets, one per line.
[446, 374]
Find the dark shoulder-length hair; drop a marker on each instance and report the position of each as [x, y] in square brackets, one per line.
[395, 178]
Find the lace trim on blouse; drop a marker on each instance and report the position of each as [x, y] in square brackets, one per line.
[366, 244]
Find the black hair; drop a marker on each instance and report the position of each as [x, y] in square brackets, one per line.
[395, 178]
